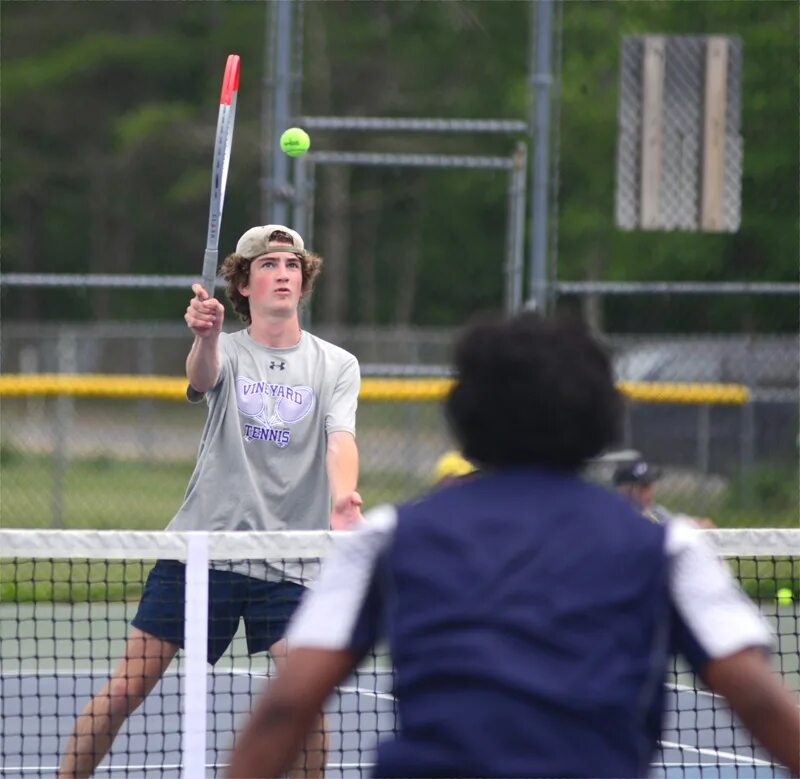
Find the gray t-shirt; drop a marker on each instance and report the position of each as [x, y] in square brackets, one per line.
[261, 462]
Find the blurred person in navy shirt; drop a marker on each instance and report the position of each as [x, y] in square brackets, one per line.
[530, 615]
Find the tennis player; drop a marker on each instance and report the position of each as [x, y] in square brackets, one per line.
[530, 615]
[278, 444]
[637, 482]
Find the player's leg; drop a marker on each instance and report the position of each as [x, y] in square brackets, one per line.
[156, 635]
[145, 660]
[269, 608]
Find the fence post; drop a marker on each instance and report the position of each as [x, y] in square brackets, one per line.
[515, 230]
[146, 367]
[627, 425]
[703, 436]
[67, 356]
[748, 445]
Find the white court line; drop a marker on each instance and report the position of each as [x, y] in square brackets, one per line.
[686, 688]
[384, 696]
[176, 672]
[96, 671]
[151, 766]
[716, 753]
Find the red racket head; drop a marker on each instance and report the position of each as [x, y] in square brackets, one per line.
[230, 81]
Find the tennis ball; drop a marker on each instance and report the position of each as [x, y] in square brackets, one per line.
[295, 142]
[784, 596]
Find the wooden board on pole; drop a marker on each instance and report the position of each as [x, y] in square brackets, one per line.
[713, 181]
[652, 111]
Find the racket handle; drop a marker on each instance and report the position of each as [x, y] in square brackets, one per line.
[210, 259]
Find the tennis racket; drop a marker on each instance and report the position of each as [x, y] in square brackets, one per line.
[219, 169]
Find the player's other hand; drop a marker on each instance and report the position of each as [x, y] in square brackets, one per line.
[346, 512]
[204, 315]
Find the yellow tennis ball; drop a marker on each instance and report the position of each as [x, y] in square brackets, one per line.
[784, 596]
[295, 142]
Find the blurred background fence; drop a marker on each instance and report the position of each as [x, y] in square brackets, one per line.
[719, 412]
[411, 251]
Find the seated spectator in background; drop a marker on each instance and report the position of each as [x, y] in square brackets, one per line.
[451, 465]
[636, 481]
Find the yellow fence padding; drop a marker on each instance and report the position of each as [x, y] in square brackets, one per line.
[397, 390]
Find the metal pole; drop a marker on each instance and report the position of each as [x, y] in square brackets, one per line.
[516, 231]
[281, 189]
[267, 90]
[540, 81]
[67, 346]
[300, 220]
[310, 191]
[509, 303]
[146, 427]
[703, 437]
[748, 449]
[521, 180]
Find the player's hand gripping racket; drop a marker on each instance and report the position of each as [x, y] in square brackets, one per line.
[219, 169]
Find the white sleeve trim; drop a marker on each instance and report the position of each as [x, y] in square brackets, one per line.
[718, 614]
[327, 615]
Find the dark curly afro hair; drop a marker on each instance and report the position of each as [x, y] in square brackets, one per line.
[532, 391]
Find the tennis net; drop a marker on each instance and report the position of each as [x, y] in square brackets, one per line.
[67, 598]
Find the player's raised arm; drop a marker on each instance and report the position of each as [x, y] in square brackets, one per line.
[204, 317]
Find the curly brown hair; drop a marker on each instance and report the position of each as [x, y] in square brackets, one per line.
[235, 270]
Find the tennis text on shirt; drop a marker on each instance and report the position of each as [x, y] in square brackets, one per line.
[274, 407]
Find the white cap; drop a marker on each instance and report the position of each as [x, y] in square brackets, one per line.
[256, 241]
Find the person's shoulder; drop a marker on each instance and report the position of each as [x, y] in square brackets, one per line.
[607, 505]
[331, 350]
[232, 339]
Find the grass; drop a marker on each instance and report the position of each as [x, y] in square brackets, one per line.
[68, 581]
[111, 494]
[100, 494]
[104, 493]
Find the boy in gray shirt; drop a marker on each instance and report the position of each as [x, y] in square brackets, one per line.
[278, 452]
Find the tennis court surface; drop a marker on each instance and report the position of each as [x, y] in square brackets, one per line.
[67, 599]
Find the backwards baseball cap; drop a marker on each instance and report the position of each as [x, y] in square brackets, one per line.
[638, 472]
[261, 240]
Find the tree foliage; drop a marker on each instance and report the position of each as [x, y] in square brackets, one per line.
[108, 125]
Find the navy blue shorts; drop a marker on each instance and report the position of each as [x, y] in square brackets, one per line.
[266, 607]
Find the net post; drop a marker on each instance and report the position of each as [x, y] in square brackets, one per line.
[195, 675]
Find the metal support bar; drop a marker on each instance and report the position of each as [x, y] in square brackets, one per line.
[679, 287]
[540, 82]
[98, 280]
[145, 281]
[387, 124]
[515, 237]
[281, 188]
[411, 160]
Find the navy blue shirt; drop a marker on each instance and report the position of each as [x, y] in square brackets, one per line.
[530, 617]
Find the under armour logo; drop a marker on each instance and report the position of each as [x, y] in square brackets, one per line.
[273, 365]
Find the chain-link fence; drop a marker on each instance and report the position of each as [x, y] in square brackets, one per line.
[415, 241]
[106, 461]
